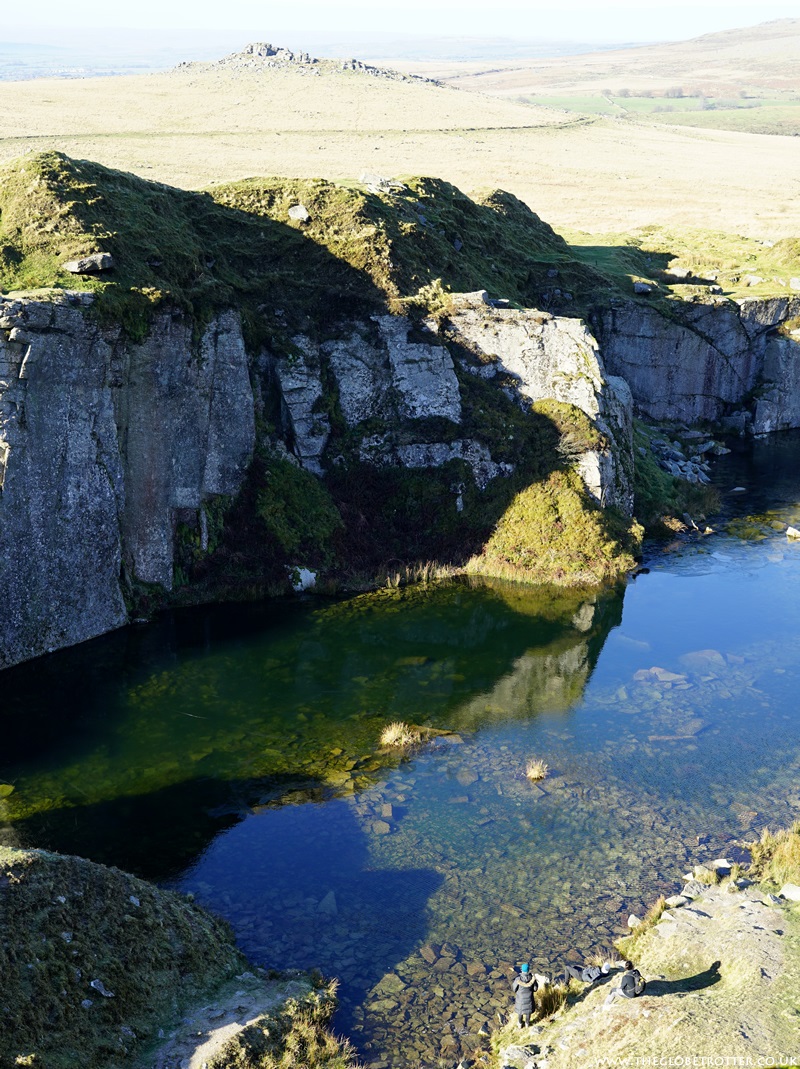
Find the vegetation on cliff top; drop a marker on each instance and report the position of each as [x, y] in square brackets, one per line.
[237, 244]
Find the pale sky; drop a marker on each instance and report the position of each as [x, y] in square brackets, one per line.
[577, 20]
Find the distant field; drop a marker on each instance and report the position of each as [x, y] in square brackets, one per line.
[760, 62]
[762, 115]
[595, 173]
[782, 120]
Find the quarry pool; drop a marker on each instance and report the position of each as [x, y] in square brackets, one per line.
[234, 753]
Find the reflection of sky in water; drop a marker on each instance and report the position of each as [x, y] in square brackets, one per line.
[670, 718]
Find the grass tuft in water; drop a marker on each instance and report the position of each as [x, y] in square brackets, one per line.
[536, 769]
[399, 735]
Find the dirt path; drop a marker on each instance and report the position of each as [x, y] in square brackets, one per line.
[206, 1030]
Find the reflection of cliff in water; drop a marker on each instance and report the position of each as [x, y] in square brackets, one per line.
[552, 677]
[163, 734]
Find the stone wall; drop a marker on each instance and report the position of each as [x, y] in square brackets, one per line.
[102, 444]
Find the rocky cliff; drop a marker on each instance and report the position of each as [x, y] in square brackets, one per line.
[691, 362]
[105, 445]
[214, 393]
[395, 373]
[109, 445]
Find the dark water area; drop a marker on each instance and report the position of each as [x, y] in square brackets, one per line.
[233, 752]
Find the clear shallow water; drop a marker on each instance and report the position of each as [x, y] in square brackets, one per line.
[233, 753]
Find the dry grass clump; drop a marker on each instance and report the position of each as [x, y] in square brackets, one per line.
[709, 877]
[296, 1034]
[400, 735]
[550, 998]
[650, 920]
[776, 856]
[536, 769]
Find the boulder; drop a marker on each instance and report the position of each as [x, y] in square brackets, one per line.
[299, 213]
[703, 873]
[302, 579]
[90, 265]
[642, 287]
[790, 891]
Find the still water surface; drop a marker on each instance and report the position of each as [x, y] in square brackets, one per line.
[233, 753]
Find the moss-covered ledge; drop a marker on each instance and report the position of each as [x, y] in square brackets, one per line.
[100, 968]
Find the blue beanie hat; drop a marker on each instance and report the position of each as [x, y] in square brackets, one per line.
[524, 968]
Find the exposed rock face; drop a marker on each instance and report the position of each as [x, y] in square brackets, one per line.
[300, 380]
[393, 376]
[701, 366]
[778, 406]
[377, 450]
[102, 442]
[379, 376]
[382, 374]
[555, 357]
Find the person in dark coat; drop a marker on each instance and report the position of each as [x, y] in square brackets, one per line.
[631, 985]
[523, 986]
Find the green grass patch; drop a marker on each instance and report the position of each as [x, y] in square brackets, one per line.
[237, 246]
[725, 259]
[768, 118]
[553, 533]
[298, 513]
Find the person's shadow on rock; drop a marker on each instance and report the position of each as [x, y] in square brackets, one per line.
[698, 982]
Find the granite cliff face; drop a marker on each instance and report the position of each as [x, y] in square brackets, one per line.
[386, 375]
[104, 445]
[108, 445]
[708, 360]
[555, 357]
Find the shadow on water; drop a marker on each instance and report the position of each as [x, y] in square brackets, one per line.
[302, 886]
[157, 835]
[228, 709]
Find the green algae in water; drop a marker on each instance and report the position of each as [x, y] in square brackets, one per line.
[246, 722]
